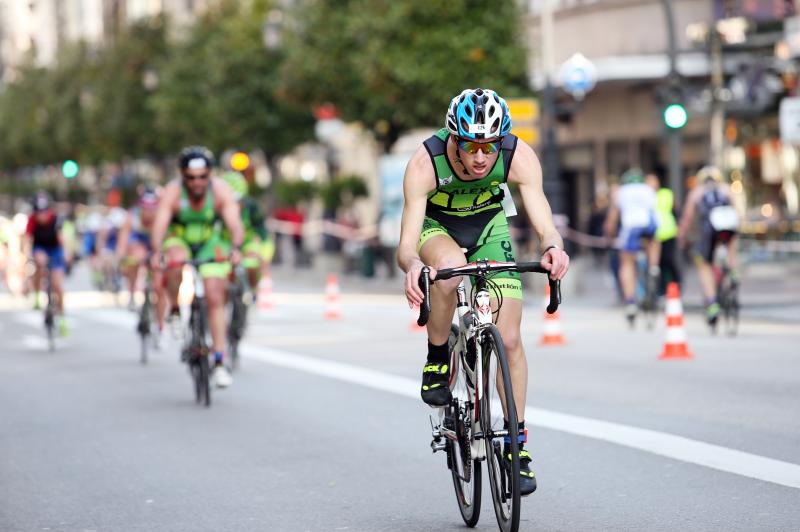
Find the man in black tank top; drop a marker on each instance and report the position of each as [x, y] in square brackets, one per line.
[43, 243]
[454, 190]
[710, 199]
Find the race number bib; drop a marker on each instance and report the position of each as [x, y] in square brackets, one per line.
[724, 218]
[636, 217]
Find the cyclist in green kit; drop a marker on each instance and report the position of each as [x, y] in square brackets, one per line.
[456, 205]
[190, 215]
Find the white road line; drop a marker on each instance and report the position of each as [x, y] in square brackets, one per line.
[655, 442]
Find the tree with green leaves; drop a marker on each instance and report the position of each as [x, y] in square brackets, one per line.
[396, 65]
[218, 86]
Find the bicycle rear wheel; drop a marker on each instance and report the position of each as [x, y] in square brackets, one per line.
[496, 404]
[143, 328]
[204, 375]
[730, 304]
[464, 468]
[50, 317]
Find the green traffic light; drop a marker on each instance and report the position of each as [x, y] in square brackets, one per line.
[69, 169]
[675, 116]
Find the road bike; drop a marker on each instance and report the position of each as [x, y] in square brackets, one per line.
[147, 324]
[49, 309]
[238, 290]
[727, 292]
[195, 351]
[482, 414]
[646, 290]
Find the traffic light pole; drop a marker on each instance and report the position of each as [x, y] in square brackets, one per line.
[673, 135]
[553, 186]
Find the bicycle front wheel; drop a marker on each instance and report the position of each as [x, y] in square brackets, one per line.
[496, 406]
[465, 469]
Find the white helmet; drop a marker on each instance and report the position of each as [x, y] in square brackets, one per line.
[478, 114]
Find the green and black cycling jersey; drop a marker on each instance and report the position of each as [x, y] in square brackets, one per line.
[464, 207]
[195, 227]
[471, 212]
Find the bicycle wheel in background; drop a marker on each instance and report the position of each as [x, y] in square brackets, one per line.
[465, 470]
[729, 299]
[236, 326]
[143, 327]
[50, 316]
[504, 480]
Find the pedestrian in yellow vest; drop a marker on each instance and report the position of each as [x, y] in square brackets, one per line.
[666, 233]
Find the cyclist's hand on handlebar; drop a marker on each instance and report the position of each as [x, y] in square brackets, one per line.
[556, 261]
[413, 291]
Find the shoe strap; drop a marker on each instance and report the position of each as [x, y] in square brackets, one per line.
[435, 368]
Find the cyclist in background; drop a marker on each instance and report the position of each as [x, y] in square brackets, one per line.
[667, 233]
[454, 188]
[188, 225]
[632, 218]
[133, 244]
[43, 243]
[710, 200]
[258, 248]
[107, 239]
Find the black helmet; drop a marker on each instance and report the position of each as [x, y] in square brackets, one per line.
[41, 202]
[195, 157]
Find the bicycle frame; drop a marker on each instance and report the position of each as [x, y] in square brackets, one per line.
[473, 318]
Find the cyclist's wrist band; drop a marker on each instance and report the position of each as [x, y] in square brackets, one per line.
[548, 248]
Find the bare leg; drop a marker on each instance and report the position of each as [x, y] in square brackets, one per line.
[508, 323]
[216, 293]
[627, 274]
[442, 252]
[707, 281]
[173, 276]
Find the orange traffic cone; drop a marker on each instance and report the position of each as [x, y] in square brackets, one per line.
[551, 335]
[675, 345]
[264, 294]
[333, 309]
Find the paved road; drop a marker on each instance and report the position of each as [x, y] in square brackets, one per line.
[307, 440]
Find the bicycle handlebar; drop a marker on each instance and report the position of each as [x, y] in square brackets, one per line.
[483, 267]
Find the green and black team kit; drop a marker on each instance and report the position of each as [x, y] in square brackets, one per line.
[470, 212]
[256, 237]
[199, 232]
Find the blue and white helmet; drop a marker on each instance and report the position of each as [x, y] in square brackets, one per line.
[478, 114]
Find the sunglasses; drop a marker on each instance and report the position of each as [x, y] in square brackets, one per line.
[474, 147]
[190, 177]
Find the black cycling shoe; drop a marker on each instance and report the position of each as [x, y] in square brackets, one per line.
[527, 479]
[435, 379]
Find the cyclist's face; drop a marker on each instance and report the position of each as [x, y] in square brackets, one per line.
[478, 156]
[196, 181]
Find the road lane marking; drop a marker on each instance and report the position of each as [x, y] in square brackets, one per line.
[652, 441]
[655, 442]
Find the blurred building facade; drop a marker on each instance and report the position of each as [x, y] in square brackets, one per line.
[620, 122]
[35, 29]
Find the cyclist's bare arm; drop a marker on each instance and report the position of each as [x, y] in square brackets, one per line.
[419, 180]
[164, 213]
[526, 172]
[612, 217]
[687, 216]
[228, 208]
